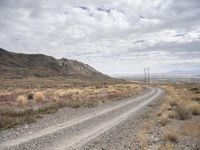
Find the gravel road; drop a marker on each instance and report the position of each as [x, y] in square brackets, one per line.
[83, 128]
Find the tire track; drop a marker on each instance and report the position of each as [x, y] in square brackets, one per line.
[83, 137]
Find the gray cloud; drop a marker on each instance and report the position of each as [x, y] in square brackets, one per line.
[103, 33]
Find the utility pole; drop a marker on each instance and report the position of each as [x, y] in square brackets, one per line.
[148, 75]
[145, 76]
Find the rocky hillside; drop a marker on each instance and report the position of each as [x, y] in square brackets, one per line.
[15, 65]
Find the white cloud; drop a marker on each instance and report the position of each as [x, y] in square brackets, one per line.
[129, 34]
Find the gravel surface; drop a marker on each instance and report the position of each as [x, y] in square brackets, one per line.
[108, 126]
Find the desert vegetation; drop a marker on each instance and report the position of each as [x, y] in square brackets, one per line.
[174, 119]
[21, 100]
[170, 135]
[20, 106]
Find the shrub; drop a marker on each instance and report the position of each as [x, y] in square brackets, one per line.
[143, 139]
[172, 114]
[194, 107]
[171, 136]
[166, 146]
[165, 106]
[182, 112]
[197, 99]
[195, 90]
[159, 114]
[56, 99]
[21, 100]
[172, 103]
[39, 97]
[163, 119]
[30, 96]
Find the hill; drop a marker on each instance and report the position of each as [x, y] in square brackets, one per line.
[17, 65]
[184, 72]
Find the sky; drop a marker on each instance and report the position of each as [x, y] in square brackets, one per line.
[113, 36]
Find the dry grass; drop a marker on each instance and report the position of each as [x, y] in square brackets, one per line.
[167, 146]
[170, 135]
[173, 103]
[190, 128]
[165, 106]
[21, 100]
[10, 117]
[56, 99]
[197, 99]
[53, 82]
[163, 119]
[183, 112]
[194, 107]
[172, 114]
[143, 139]
[179, 103]
[39, 97]
[44, 101]
[90, 96]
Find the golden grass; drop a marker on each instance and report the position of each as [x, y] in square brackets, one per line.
[173, 102]
[143, 139]
[39, 97]
[194, 107]
[191, 128]
[179, 103]
[165, 106]
[56, 99]
[167, 146]
[51, 99]
[163, 119]
[170, 135]
[183, 112]
[172, 114]
[21, 100]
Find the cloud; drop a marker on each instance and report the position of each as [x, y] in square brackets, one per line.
[129, 34]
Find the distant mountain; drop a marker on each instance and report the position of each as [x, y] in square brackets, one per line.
[183, 72]
[38, 65]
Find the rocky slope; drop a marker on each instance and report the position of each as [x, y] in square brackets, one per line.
[38, 65]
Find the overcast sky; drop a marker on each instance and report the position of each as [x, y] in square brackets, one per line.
[113, 36]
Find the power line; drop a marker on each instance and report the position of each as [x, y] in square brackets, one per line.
[147, 75]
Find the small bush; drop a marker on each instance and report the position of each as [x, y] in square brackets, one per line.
[197, 99]
[39, 97]
[143, 139]
[159, 114]
[195, 90]
[166, 146]
[166, 106]
[21, 100]
[30, 96]
[163, 120]
[172, 114]
[56, 99]
[171, 136]
[194, 107]
[182, 112]
[173, 103]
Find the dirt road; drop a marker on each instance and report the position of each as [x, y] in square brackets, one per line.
[84, 128]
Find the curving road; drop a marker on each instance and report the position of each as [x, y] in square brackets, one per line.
[81, 130]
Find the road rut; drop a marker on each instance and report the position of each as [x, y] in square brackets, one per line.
[75, 133]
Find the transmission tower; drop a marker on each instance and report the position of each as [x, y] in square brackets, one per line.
[147, 75]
